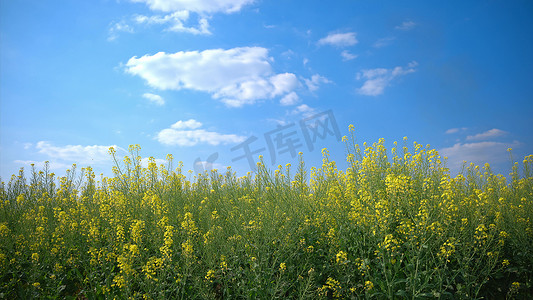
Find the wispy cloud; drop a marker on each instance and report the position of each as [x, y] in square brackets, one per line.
[85, 155]
[176, 21]
[155, 99]
[116, 28]
[207, 166]
[489, 134]
[406, 25]
[477, 149]
[339, 39]
[346, 55]
[478, 153]
[454, 130]
[303, 110]
[314, 83]
[188, 133]
[376, 80]
[197, 6]
[39, 165]
[179, 11]
[236, 76]
[384, 42]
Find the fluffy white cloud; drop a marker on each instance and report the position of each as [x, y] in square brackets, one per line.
[236, 76]
[486, 135]
[313, 83]
[377, 79]
[478, 153]
[189, 124]
[186, 133]
[346, 55]
[85, 155]
[198, 6]
[406, 25]
[339, 39]
[290, 99]
[153, 98]
[249, 91]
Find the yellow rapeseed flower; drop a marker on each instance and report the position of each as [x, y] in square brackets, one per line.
[505, 263]
[282, 267]
[342, 257]
[210, 275]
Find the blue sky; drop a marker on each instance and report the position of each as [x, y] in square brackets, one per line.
[203, 80]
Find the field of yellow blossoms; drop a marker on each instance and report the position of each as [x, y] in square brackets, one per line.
[394, 224]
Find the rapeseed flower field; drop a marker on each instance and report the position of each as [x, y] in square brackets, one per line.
[394, 224]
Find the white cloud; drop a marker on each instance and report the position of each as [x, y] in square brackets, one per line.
[346, 55]
[384, 42]
[374, 87]
[290, 99]
[201, 166]
[189, 124]
[178, 12]
[249, 91]
[288, 54]
[376, 80]
[39, 165]
[454, 130]
[198, 6]
[279, 122]
[315, 81]
[157, 19]
[236, 76]
[186, 133]
[85, 155]
[155, 99]
[158, 162]
[406, 25]
[176, 22]
[116, 28]
[486, 135]
[339, 39]
[304, 110]
[478, 153]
